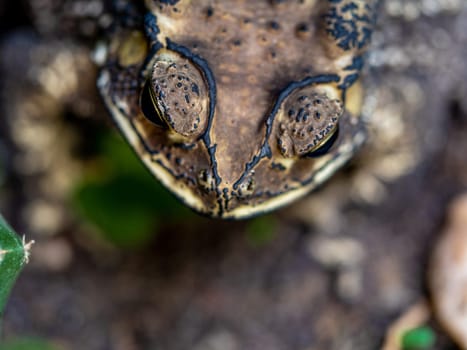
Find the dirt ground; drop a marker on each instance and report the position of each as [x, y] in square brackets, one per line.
[334, 270]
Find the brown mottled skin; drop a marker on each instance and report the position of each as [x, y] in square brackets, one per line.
[252, 103]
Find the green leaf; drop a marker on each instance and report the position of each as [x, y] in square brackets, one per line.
[26, 344]
[118, 207]
[261, 230]
[420, 338]
[122, 199]
[12, 258]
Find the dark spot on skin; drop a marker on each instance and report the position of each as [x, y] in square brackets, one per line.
[303, 27]
[350, 27]
[195, 89]
[237, 42]
[274, 25]
[187, 98]
[302, 30]
[209, 11]
[278, 166]
[300, 114]
[178, 161]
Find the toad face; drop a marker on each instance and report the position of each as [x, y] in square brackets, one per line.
[239, 107]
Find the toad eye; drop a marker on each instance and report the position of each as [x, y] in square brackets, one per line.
[149, 106]
[325, 146]
[175, 96]
[308, 123]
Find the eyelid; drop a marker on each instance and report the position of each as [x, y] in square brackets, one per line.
[180, 93]
[308, 120]
[175, 97]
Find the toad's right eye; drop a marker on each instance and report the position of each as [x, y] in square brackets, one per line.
[308, 123]
[176, 97]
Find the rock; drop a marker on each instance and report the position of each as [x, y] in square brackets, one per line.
[448, 273]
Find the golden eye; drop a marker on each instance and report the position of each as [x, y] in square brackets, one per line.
[176, 96]
[308, 123]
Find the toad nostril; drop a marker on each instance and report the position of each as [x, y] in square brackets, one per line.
[247, 187]
[206, 180]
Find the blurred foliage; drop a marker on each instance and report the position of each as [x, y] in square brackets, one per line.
[12, 259]
[420, 338]
[122, 199]
[261, 230]
[26, 344]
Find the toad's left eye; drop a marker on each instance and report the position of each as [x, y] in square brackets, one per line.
[308, 123]
[176, 96]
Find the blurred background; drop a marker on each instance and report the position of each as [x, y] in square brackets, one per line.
[119, 264]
